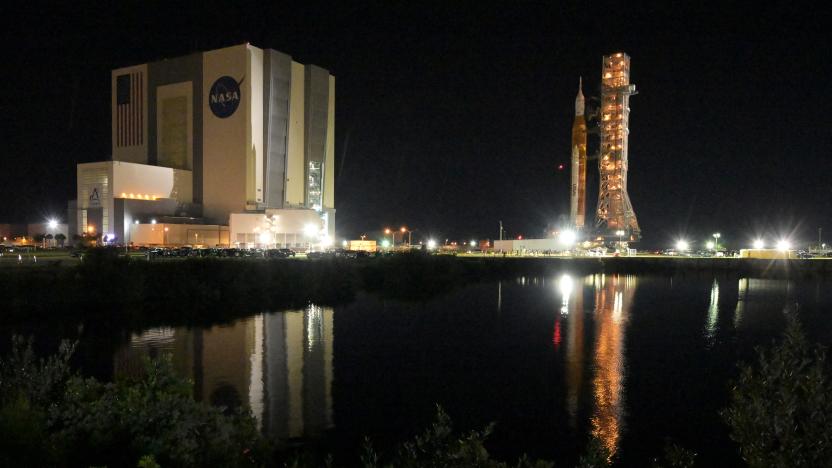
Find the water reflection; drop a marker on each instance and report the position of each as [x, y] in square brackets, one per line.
[280, 364]
[574, 354]
[613, 300]
[752, 291]
[713, 312]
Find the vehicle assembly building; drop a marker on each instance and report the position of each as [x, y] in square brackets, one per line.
[614, 217]
[240, 137]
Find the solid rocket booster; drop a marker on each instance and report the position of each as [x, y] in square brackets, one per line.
[578, 197]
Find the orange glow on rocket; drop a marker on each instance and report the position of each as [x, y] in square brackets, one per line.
[578, 190]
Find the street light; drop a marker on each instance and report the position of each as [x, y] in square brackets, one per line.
[682, 245]
[409, 235]
[392, 237]
[783, 244]
[716, 240]
[759, 244]
[265, 237]
[567, 237]
[52, 224]
[326, 242]
[431, 244]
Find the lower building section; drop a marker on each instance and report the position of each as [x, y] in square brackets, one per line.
[283, 228]
[527, 245]
[196, 235]
[123, 203]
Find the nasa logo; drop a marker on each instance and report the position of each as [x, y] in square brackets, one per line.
[224, 97]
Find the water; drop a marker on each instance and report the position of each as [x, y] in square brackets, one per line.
[637, 361]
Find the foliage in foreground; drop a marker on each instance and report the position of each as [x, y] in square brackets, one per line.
[439, 445]
[781, 407]
[50, 417]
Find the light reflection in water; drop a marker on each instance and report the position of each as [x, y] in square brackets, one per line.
[761, 291]
[565, 285]
[613, 300]
[279, 364]
[574, 355]
[713, 312]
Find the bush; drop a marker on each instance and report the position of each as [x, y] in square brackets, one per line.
[55, 415]
[781, 408]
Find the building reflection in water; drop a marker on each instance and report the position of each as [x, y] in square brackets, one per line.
[613, 300]
[279, 364]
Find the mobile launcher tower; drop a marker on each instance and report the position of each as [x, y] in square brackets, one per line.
[615, 218]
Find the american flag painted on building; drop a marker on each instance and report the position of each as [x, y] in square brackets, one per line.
[129, 109]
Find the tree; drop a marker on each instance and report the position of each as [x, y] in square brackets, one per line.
[60, 239]
[39, 238]
[781, 407]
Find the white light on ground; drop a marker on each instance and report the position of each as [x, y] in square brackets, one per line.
[709, 245]
[385, 243]
[783, 244]
[759, 244]
[326, 241]
[431, 244]
[152, 221]
[310, 230]
[265, 238]
[682, 245]
[345, 243]
[567, 237]
[473, 243]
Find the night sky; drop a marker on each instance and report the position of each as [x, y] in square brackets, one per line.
[451, 116]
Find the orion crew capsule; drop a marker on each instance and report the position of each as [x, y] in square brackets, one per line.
[577, 213]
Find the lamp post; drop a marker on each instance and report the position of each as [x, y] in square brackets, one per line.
[716, 236]
[409, 235]
[392, 237]
[619, 233]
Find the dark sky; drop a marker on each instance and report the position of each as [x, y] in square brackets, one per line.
[451, 116]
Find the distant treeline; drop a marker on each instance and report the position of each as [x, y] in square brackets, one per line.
[196, 289]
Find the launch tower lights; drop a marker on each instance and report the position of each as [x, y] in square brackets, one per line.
[614, 208]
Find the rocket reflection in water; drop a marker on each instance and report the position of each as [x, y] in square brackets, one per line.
[573, 307]
[279, 364]
[613, 300]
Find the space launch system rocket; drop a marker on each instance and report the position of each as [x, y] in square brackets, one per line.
[578, 195]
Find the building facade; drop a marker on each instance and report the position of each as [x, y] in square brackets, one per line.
[236, 130]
